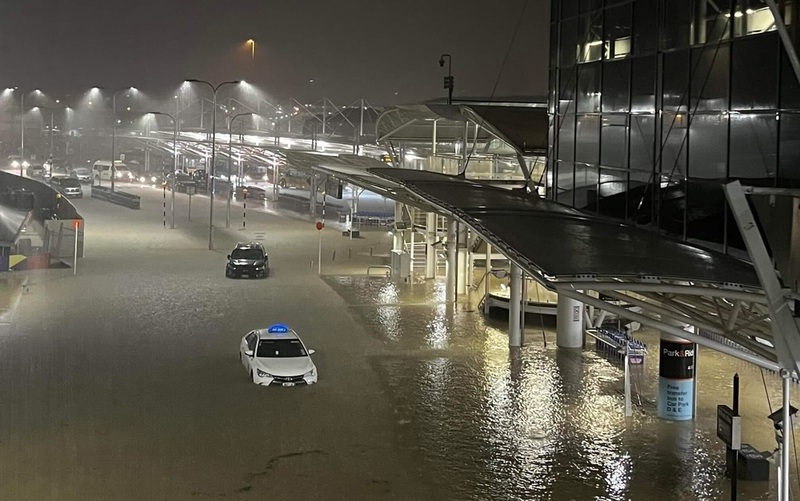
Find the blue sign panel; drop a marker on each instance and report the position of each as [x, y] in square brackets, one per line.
[675, 398]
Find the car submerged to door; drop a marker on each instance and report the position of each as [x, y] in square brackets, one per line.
[276, 356]
[247, 259]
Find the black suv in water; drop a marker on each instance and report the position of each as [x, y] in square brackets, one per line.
[248, 259]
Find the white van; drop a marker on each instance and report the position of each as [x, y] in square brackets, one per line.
[101, 171]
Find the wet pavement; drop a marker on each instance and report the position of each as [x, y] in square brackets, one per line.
[123, 382]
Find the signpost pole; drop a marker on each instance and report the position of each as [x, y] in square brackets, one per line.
[320, 225]
[76, 225]
[735, 467]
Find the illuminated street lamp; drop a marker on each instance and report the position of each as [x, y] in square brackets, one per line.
[174, 159]
[230, 156]
[210, 184]
[22, 129]
[252, 44]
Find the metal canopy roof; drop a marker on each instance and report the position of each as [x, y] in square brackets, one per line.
[522, 126]
[670, 281]
[563, 243]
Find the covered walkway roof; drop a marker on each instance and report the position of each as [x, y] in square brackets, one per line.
[580, 256]
[523, 126]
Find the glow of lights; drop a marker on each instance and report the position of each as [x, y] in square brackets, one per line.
[738, 14]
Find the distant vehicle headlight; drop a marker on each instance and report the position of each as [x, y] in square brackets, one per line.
[25, 163]
[262, 373]
[14, 164]
[142, 180]
[153, 179]
[119, 174]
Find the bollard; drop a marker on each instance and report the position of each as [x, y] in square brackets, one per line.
[333, 258]
[164, 185]
[244, 207]
[350, 253]
[370, 251]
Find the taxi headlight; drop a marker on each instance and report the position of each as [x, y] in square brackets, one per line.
[262, 373]
[153, 179]
[142, 179]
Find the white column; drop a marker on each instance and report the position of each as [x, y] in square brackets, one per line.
[430, 250]
[488, 266]
[569, 323]
[397, 236]
[463, 258]
[515, 307]
[452, 244]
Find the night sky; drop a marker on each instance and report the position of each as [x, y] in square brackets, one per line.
[386, 52]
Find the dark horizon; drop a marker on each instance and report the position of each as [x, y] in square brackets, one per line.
[305, 53]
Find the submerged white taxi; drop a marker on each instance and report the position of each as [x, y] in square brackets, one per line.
[276, 356]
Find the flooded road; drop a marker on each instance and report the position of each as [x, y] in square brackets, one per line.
[544, 423]
[123, 383]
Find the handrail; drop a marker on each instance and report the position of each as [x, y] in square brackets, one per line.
[381, 266]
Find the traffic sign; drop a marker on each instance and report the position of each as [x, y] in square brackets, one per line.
[320, 225]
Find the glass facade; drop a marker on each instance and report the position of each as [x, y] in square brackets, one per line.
[656, 103]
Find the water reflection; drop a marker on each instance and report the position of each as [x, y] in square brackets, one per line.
[538, 422]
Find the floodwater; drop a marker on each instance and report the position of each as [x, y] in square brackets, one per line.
[544, 423]
[123, 383]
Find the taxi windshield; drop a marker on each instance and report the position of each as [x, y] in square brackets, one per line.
[280, 348]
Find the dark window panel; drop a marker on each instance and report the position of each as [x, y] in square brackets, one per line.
[569, 43]
[614, 151]
[753, 145]
[676, 21]
[706, 211]
[676, 81]
[586, 180]
[645, 27]
[587, 140]
[566, 137]
[569, 8]
[565, 182]
[589, 5]
[754, 73]
[589, 88]
[789, 166]
[708, 146]
[642, 139]
[673, 146]
[710, 70]
[643, 77]
[790, 88]
[567, 82]
[616, 77]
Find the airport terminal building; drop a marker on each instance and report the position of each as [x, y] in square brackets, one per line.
[655, 104]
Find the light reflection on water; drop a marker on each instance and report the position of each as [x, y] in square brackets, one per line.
[537, 422]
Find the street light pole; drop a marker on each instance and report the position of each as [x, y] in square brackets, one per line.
[114, 131]
[21, 131]
[210, 185]
[448, 80]
[174, 161]
[230, 156]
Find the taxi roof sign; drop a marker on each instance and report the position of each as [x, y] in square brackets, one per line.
[278, 329]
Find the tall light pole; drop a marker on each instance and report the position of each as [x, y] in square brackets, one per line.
[448, 80]
[114, 130]
[210, 186]
[230, 156]
[52, 112]
[174, 160]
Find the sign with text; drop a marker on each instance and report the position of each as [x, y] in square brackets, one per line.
[729, 427]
